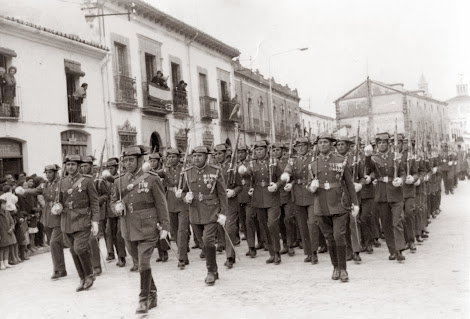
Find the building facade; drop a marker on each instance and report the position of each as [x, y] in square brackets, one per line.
[313, 123]
[459, 115]
[48, 116]
[255, 118]
[377, 106]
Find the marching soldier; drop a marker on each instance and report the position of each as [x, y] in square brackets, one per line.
[296, 176]
[446, 168]
[335, 199]
[178, 210]
[207, 199]
[389, 193]
[49, 190]
[80, 216]
[265, 200]
[139, 199]
[103, 197]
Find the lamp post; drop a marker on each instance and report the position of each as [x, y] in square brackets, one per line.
[273, 125]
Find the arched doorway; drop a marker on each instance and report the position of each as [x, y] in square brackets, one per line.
[155, 142]
[11, 157]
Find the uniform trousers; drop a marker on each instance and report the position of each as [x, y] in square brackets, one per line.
[243, 217]
[447, 178]
[287, 224]
[80, 250]
[392, 218]
[207, 233]
[418, 214]
[114, 238]
[366, 218]
[250, 223]
[353, 233]
[141, 250]
[220, 237]
[307, 228]
[268, 219]
[95, 249]
[57, 249]
[334, 229]
[179, 224]
[410, 219]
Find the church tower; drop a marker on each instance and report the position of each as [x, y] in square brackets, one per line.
[462, 88]
[423, 85]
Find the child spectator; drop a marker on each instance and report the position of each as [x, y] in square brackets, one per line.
[7, 235]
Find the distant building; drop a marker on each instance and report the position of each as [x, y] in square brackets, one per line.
[459, 115]
[313, 123]
[376, 106]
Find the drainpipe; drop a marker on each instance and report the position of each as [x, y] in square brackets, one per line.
[191, 82]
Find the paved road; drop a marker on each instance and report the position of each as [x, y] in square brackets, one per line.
[433, 283]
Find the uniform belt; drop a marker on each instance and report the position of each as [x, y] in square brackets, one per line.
[173, 189]
[329, 185]
[385, 179]
[302, 181]
[142, 206]
[262, 184]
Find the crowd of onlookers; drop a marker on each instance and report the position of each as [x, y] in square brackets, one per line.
[22, 231]
[8, 91]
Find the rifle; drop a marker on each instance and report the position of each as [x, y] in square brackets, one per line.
[231, 170]
[100, 162]
[270, 167]
[291, 145]
[356, 154]
[183, 169]
[395, 142]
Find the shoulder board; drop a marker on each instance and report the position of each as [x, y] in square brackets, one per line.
[214, 166]
[153, 173]
[86, 175]
[188, 168]
[339, 155]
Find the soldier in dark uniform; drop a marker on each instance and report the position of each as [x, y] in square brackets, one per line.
[207, 199]
[389, 193]
[103, 198]
[287, 221]
[335, 199]
[49, 190]
[296, 174]
[80, 218]
[178, 210]
[446, 168]
[114, 238]
[144, 218]
[155, 160]
[266, 200]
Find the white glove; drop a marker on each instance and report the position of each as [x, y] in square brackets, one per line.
[95, 228]
[409, 180]
[357, 187]
[250, 191]
[288, 187]
[355, 211]
[164, 234]
[455, 163]
[285, 177]
[242, 170]
[397, 182]
[221, 219]
[450, 163]
[179, 193]
[368, 179]
[272, 187]
[189, 197]
[375, 182]
[19, 190]
[56, 209]
[314, 185]
[230, 193]
[426, 177]
[418, 182]
[434, 170]
[368, 150]
[119, 208]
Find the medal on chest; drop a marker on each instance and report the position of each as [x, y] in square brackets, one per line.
[80, 187]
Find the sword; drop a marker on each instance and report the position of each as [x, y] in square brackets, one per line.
[102, 258]
[231, 244]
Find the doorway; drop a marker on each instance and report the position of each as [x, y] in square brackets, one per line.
[155, 142]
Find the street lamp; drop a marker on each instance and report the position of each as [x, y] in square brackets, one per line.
[273, 125]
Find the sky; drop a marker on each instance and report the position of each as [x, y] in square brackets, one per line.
[391, 41]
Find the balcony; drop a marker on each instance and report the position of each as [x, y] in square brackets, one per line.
[180, 104]
[208, 108]
[125, 93]
[250, 128]
[157, 99]
[226, 109]
[10, 108]
[76, 110]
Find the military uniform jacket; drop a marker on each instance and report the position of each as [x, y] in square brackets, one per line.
[103, 197]
[210, 197]
[336, 192]
[409, 190]
[285, 196]
[368, 190]
[235, 185]
[259, 170]
[109, 212]
[49, 191]
[80, 201]
[171, 176]
[299, 172]
[445, 158]
[145, 205]
[382, 165]
[243, 196]
[358, 170]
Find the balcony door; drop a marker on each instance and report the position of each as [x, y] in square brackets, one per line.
[203, 91]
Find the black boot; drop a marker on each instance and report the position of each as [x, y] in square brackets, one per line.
[252, 252]
[270, 260]
[284, 250]
[211, 264]
[308, 259]
[341, 257]
[357, 258]
[314, 258]
[400, 257]
[229, 262]
[211, 278]
[152, 294]
[121, 262]
[290, 251]
[277, 258]
[334, 261]
[145, 282]
[80, 286]
[412, 247]
[89, 280]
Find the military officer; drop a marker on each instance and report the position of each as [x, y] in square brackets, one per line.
[446, 168]
[49, 189]
[391, 175]
[335, 199]
[114, 239]
[266, 200]
[207, 199]
[139, 199]
[103, 198]
[178, 210]
[296, 176]
[80, 216]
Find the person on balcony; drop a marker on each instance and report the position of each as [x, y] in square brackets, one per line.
[80, 94]
[10, 87]
[3, 83]
[181, 86]
[160, 80]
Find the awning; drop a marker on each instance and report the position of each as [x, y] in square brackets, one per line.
[73, 68]
[8, 52]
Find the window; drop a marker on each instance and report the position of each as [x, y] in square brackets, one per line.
[122, 67]
[76, 94]
[250, 111]
[127, 139]
[203, 85]
[149, 66]
[225, 92]
[175, 74]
